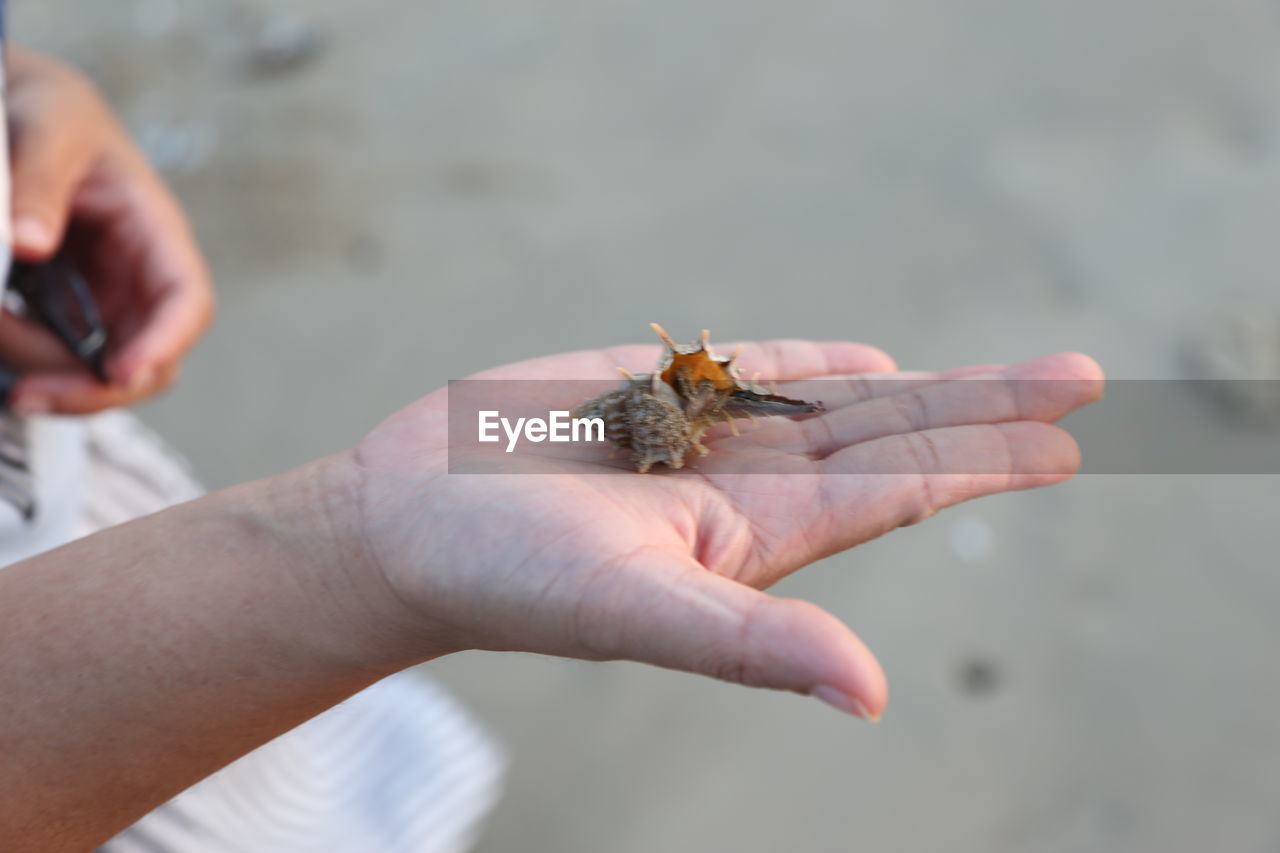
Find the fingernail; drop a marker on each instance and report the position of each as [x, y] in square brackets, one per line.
[32, 233]
[843, 701]
[32, 404]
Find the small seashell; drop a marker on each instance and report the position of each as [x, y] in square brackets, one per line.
[661, 416]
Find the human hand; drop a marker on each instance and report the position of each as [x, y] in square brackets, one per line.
[76, 176]
[667, 568]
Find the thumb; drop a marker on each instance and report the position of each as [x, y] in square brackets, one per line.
[48, 163]
[695, 620]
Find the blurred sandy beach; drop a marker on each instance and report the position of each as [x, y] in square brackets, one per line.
[393, 194]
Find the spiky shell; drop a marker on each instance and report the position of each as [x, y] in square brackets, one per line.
[645, 417]
[658, 430]
[610, 407]
[661, 416]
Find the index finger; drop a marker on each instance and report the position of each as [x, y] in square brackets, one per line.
[783, 360]
[133, 244]
[169, 329]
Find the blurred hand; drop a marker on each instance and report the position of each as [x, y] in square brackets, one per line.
[666, 568]
[77, 177]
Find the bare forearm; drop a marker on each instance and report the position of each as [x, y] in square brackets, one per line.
[139, 660]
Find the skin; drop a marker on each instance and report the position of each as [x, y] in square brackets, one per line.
[78, 179]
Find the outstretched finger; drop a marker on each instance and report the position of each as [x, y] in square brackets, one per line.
[773, 360]
[790, 360]
[873, 487]
[842, 390]
[1044, 389]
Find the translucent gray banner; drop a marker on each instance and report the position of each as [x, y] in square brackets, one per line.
[869, 426]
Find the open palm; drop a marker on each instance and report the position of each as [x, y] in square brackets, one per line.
[561, 552]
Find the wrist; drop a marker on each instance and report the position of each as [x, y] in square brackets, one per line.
[314, 515]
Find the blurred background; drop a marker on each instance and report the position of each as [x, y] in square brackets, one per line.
[396, 193]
